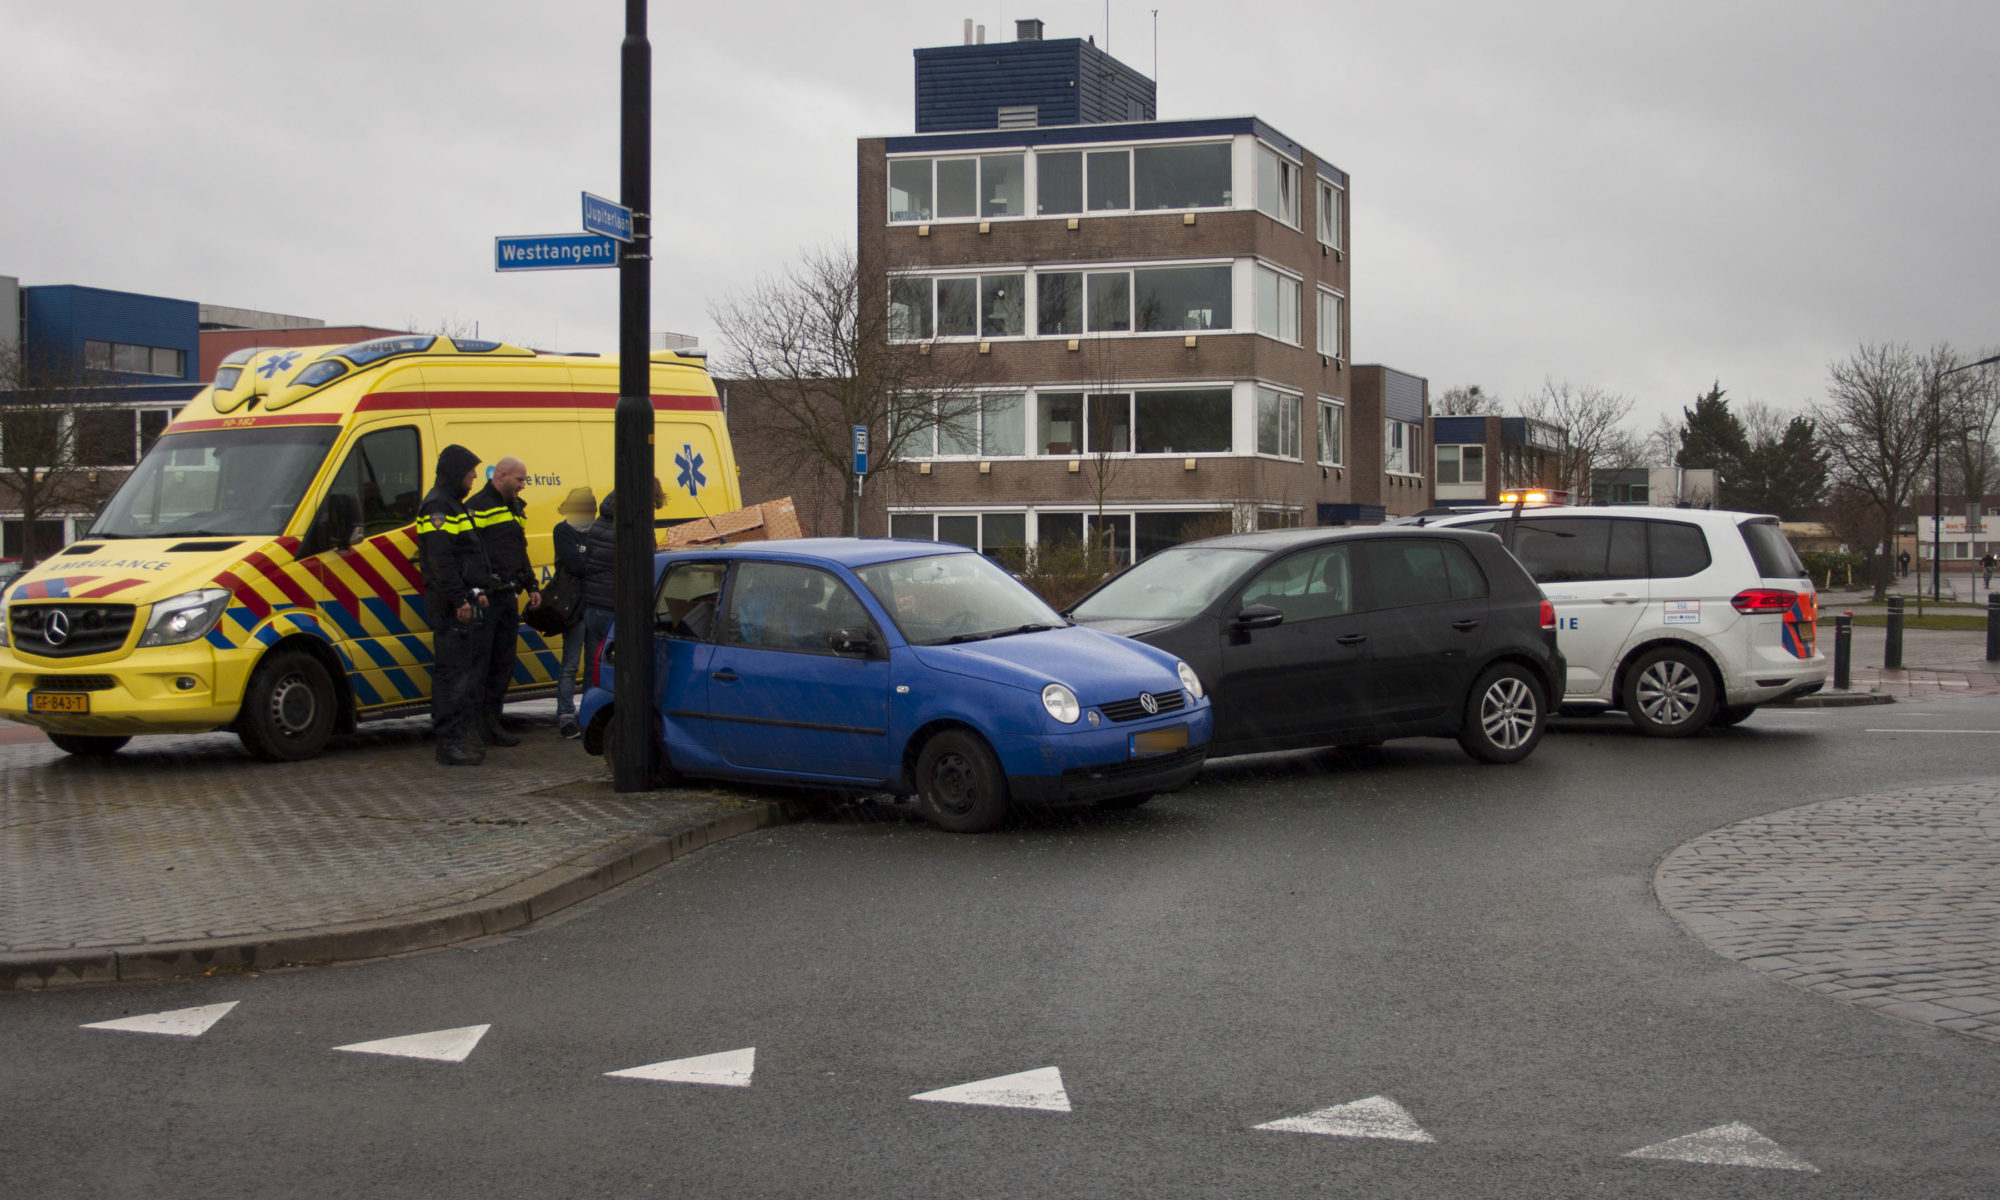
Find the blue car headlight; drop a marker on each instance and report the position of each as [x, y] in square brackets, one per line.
[1189, 680]
[185, 617]
[1061, 703]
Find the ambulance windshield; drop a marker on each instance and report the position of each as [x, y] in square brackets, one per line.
[217, 482]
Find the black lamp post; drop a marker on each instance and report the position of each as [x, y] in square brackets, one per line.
[632, 727]
[1937, 472]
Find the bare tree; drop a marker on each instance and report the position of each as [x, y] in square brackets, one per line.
[1877, 428]
[1465, 402]
[47, 421]
[817, 351]
[1972, 459]
[1591, 421]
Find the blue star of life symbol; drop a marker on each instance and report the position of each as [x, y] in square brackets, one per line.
[690, 477]
[278, 363]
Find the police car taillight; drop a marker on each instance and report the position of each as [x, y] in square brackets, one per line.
[1548, 615]
[1763, 600]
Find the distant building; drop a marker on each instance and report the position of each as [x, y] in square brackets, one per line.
[1657, 487]
[1160, 308]
[1478, 458]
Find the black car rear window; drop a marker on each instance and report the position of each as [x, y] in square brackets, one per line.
[1773, 555]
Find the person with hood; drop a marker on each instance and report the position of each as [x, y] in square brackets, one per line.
[498, 516]
[572, 538]
[601, 546]
[457, 581]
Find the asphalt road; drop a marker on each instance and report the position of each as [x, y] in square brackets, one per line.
[1479, 945]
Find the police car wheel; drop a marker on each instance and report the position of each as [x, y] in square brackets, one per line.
[87, 746]
[1669, 692]
[1505, 715]
[959, 783]
[289, 709]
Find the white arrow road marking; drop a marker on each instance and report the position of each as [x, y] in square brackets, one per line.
[1731, 1145]
[1040, 1089]
[443, 1045]
[730, 1068]
[179, 1022]
[1375, 1117]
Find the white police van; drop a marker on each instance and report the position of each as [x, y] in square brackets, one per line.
[1685, 618]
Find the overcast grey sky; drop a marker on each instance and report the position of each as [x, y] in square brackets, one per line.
[1640, 196]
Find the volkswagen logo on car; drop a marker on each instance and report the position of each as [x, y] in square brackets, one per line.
[1147, 702]
[55, 627]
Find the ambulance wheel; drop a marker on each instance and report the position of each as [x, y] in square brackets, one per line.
[289, 708]
[86, 746]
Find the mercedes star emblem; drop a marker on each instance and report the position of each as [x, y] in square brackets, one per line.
[55, 627]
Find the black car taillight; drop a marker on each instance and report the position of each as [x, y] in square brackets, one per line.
[1763, 600]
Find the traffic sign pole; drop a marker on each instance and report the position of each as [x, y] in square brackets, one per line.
[635, 730]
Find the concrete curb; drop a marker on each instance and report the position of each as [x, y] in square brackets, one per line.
[510, 908]
[1833, 699]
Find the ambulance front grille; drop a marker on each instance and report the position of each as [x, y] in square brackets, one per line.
[68, 630]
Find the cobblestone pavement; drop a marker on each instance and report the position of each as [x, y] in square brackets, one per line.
[188, 839]
[1889, 901]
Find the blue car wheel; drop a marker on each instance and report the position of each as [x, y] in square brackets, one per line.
[960, 783]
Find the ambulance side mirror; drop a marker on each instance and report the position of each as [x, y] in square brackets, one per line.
[336, 527]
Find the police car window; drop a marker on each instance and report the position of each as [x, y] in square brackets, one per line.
[1563, 549]
[1305, 586]
[782, 606]
[384, 475]
[1679, 550]
[685, 607]
[1773, 555]
[1627, 559]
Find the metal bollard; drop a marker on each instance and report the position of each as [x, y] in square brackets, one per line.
[1843, 651]
[1892, 643]
[1993, 627]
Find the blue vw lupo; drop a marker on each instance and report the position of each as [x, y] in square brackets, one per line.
[906, 667]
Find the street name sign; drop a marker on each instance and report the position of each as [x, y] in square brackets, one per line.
[605, 217]
[553, 252]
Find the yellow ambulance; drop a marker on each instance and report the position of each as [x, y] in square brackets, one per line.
[258, 569]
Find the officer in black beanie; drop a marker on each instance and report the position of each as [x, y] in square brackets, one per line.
[457, 582]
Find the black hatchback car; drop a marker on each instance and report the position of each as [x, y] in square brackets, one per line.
[1307, 637]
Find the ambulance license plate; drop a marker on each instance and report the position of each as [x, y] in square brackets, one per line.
[59, 702]
[1159, 741]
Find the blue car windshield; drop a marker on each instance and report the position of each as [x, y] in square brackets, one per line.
[1172, 585]
[955, 598]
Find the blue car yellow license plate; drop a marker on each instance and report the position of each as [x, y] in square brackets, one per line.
[59, 702]
[1159, 741]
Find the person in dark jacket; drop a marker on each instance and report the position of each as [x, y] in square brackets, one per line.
[457, 582]
[497, 513]
[599, 596]
[572, 538]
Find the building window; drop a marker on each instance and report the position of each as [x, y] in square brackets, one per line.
[1401, 449]
[1001, 536]
[1332, 434]
[1277, 423]
[1277, 305]
[991, 426]
[1181, 176]
[152, 423]
[1277, 187]
[1003, 185]
[1170, 299]
[1109, 299]
[923, 189]
[1329, 323]
[1077, 181]
[957, 306]
[1183, 422]
[128, 359]
[1329, 213]
[1059, 183]
[1280, 518]
[104, 437]
[1461, 464]
[910, 189]
[1108, 180]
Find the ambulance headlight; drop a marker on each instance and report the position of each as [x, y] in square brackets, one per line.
[185, 617]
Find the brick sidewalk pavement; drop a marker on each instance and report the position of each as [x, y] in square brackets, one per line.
[182, 854]
[1889, 901]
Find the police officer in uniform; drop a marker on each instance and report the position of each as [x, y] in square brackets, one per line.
[457, 582]
[498, 515]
